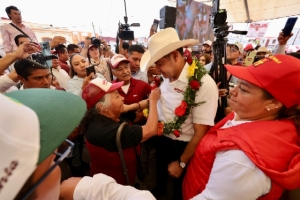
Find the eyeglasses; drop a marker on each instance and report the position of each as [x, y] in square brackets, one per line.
[233, 49]
[61, 157]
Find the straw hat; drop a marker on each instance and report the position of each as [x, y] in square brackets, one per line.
[161, 44]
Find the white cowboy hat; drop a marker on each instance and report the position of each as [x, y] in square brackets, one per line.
[144, 60]
[161, 44]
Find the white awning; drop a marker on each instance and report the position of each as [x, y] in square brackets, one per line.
[258, 10]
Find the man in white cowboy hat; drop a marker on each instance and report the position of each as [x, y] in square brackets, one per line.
[165, 50]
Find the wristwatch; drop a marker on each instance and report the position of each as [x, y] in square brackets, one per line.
[182, 164]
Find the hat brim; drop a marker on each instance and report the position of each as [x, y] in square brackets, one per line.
[59, 112]
[116, 65]
[168, 49]
[115, 86]
[144, 60]
[93, 46]
[243, 73]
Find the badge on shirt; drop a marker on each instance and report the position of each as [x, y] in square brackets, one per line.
[178, 90]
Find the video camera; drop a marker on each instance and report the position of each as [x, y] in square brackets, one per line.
[45, 57]
[124, 32]
[96, 41]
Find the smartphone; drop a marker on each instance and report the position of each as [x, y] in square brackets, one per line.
[155, 25]
[46, 51]
[90, 69]
[289, 25]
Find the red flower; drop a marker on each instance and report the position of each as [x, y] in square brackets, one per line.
[157, 81]
[189, 60]
[181, 109]
[160, 128]
[195, 85]
[176, 133]
[187, 53]
[153, 85]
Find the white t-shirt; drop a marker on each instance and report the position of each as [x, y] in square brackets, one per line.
[125, 88]
[172, 95]
[103, 187]
[234, 176]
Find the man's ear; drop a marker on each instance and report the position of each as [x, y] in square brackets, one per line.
[21, 79]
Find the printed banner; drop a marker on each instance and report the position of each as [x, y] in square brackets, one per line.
[257, 30]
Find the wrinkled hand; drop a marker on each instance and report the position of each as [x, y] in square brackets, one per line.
[174, 169]
[57, 40]
[67, 188]
[153, 70]
[282, 39]
[25, 49]
[144, 104]
[154, 95]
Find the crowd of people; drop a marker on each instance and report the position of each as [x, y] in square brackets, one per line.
[160, 100]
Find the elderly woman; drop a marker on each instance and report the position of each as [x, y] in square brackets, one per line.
[254, 152]
[101, 123]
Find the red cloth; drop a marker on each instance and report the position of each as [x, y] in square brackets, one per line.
[64, 65]
[138, 91]
[109, 163]
[271, 146]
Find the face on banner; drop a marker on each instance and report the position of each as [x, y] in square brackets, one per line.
[192, 21]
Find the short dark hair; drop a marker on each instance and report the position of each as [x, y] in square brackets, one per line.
[20, 36]
[137, 48]
[7, 10]
[72, 47]
[125, 45]
[61, 48]
[25, 67]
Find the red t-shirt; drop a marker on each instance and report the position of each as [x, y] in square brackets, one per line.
[137, 91]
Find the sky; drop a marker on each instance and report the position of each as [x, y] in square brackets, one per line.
[105, 15]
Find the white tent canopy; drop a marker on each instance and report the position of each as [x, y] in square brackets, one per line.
[245, 11]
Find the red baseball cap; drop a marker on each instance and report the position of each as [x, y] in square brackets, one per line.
[96, 89]
[248, 47]
[279, 75]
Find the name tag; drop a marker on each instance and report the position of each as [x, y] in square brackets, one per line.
[178, 90]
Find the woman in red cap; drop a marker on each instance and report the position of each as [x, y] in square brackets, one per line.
[254, 152]
[102, 122]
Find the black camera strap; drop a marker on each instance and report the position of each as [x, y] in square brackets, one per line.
[20, 30]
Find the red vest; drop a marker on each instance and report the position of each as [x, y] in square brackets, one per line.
[271, 146]
[109, 163]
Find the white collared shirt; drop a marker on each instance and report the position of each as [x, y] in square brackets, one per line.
[61, 76]
[172, 95]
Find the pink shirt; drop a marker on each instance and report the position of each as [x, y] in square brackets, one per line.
[9, 33]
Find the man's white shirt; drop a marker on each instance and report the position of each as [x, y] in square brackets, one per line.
[172, 95]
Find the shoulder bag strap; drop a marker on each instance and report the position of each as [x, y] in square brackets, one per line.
[19, 30]
[120, 150]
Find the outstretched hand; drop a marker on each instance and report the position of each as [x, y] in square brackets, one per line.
[282, 39]
[25, 49]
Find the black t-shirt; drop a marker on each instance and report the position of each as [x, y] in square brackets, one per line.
[102, 132]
